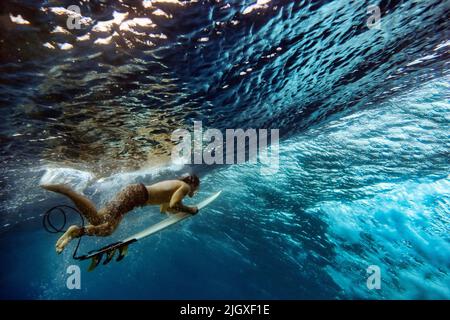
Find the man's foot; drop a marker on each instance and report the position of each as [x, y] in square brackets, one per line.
[65, 238]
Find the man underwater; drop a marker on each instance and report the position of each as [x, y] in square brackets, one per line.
[168, 194]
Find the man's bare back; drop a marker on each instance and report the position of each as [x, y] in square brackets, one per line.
[168, 194]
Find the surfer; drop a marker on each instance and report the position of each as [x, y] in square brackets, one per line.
[167, 194]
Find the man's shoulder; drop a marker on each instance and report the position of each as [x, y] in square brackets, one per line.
[184, 185]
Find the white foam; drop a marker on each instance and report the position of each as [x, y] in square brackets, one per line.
[77, 179]
[404, 224]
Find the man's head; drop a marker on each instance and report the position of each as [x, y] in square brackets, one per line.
[193, 181]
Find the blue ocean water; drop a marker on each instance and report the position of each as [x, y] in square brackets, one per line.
[363, 173]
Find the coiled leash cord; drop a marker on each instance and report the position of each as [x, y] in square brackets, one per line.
[51, 228]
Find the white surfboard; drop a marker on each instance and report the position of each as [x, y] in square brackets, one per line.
[122, 246]
[173, 218]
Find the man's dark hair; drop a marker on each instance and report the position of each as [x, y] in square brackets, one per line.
[191, 179]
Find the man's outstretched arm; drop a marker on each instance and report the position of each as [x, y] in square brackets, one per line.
[176, 201]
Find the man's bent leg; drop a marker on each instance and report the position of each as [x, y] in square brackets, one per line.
[102, 230]
[86, 207]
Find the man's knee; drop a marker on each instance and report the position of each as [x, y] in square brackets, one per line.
[109, 229]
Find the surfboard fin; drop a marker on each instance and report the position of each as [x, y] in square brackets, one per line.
[95, 260]
[109, 256]
[122, 252]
